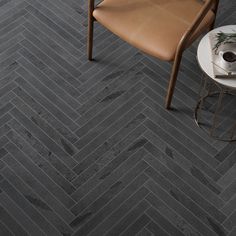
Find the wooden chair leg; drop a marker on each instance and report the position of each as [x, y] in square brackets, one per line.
[173, 78]
[90, 31]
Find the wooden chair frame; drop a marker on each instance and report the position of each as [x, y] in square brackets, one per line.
[207, 6]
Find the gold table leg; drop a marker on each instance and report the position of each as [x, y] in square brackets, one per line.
[216, 114]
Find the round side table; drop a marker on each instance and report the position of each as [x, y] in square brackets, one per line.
[215, 111]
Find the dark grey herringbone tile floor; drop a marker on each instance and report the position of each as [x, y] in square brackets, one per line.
[87, 148]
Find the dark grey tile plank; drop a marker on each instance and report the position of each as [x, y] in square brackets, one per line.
[18, 214]
[54, 36]
[115, 127]
[110, 95]
[9, 61]
[115, 161]
[155, 229]
[4, 129]
[104, 179]
[59, 50]
[126, 102]
[44, 126]
[145, 232]
[159, 74]
[108, 84]
[203, 202]
[45, 90]
[230, 223]
[47, 182]
[5, 118]
[63, 91]
[179, 146]
[54, 57]
[96, 91]
[28, 170]
[25, 205]
[229, 192]
[45, 102]
[42, 163]
[128, 219]
[68, 17]
[7, 28]
[165, 224]
[123, 61]
[6, 89]
[225, 152]
[2, 165]
[106, 52]
[111, 44]
[72, 8]
[200, 213]
[86, 169]
[38, 202]
[227, 163]
[41, 6]
[54, 26]
[44, 114]
[42, 150]
[186, 125]
[6, 98]
[137, 225]
[228, 178]
[182, 211]
[15, 34]
[30, 44]
[164, 213]
[186, 115]
[9, 70]
[11, 223]
[10, 77]
[212, 199]
[8, 48]
[172, 128]
[104, 219]
[182, 167]
[12, 18]
[108, 195]
[49, 143]
[4, 230]
[3, 152]
[3, 141]
[11, 7]
[229, 207]
[233, 232]
[3, 2]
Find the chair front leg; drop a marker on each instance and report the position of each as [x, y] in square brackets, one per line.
[90, 29]
[183, 44]
[172, 82]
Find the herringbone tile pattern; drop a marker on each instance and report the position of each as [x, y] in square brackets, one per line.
[86, 148]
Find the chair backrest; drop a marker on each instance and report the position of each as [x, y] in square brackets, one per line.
[207, 6]
[214, 5]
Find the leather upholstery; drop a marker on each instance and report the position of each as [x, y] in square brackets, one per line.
[153, 26]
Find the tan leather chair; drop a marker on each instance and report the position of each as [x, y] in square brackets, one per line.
[161, 28]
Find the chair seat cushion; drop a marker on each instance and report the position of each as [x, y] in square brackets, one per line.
[153, 26]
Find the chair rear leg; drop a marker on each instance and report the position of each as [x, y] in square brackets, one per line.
[172, 82]
[90, 31]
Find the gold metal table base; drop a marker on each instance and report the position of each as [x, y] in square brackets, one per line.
[228, 136]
